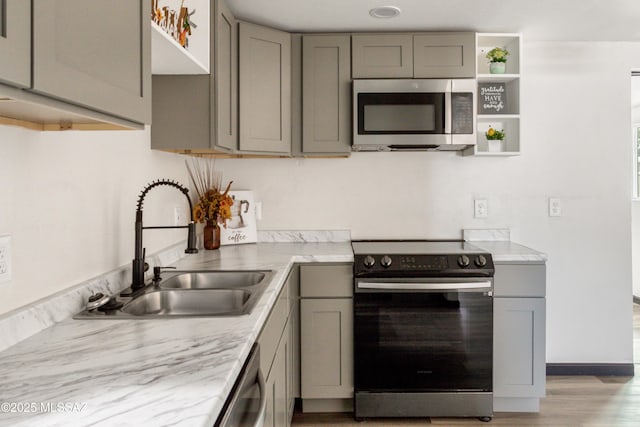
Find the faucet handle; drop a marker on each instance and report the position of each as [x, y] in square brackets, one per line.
[157, 270]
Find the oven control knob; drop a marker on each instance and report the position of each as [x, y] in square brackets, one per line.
[369, 261]
[385, 261]
[480, 261]
[463, 261]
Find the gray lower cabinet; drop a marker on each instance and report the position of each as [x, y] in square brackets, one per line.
[265, 89]
[198, 113]
[414, 55]
[277, 353]
[382, 55]
[326, 94]
[444, 55]
[326, 337]
[94, 54]
[519, 369]
[15, 42]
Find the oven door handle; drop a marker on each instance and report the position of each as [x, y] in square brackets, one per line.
[426, 286]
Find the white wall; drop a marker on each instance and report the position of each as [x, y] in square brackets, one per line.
[635, 251]
[72, 196]
[575, 146]
[68, 200]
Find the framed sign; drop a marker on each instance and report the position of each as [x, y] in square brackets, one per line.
[492, 98]
[241, 228]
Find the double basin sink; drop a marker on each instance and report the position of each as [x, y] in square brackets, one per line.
[202, 293]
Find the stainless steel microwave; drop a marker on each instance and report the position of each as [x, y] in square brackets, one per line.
[414, 114]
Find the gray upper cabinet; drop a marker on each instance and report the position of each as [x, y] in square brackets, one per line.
[382, 55]
[15, 42]
[444, 55]
[94, 54]
[419, 55]
[265, 89]
[326, 95]
[224, 97]
[199, 113]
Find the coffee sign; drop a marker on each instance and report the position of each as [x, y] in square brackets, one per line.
[491, 98]
[241, 227]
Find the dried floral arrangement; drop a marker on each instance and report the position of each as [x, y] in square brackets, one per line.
[214, 204]
[177, 24]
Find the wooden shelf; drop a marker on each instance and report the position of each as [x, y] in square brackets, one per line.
[497, 77]
[168, 57]
[497, 153]
[485, 117]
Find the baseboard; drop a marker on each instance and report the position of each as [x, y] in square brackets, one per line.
[595, 369]
[327, 405]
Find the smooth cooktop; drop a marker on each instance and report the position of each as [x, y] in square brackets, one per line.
[410, 247]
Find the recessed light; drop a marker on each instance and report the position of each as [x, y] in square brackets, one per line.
[384, 12]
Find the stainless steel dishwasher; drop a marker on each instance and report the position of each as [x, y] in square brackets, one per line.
[247, 403]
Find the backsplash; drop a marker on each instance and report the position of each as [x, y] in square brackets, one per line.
[25, 321]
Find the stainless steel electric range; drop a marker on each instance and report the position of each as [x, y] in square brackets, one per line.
[423, 329]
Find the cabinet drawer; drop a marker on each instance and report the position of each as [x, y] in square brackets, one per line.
[519, 280]
[321, 281]
[272, 330]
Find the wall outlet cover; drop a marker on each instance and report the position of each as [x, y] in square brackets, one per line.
[555, 207]
[5, 259]
[480, 208]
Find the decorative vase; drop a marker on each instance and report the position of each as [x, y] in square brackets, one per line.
[494, 145]
[211, 235]
[497, 67]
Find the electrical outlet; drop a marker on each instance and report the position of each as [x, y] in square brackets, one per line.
[178, 217]
[5, 259]
[555, 207]
[480, 208]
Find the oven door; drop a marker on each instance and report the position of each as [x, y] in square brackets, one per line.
[423, 335]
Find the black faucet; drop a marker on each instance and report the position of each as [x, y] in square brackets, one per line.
[139, 265]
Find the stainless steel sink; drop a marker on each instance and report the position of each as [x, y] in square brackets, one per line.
[213, 279]
[198, 293]
[176, 302]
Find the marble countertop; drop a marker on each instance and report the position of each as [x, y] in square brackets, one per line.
[164, 372]
[510, 252]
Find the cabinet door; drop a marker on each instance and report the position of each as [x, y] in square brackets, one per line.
[519, 347]
[277, 386]
[326, 95]
[326, 339]
[380, 56]
[265, 89]
[446, 55]
[224, 97]
[95, 54]
[15, 42]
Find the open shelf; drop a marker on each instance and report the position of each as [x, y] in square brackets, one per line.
[168, 57]
[502, 111]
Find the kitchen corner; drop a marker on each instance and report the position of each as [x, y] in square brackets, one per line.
[151, 372]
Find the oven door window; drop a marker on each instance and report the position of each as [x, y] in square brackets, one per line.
[401, 113]
[423, 342]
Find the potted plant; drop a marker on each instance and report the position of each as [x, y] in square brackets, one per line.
[497, 60]
[494, 139]
[214, 203]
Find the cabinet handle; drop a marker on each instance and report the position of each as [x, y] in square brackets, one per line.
[262, 412]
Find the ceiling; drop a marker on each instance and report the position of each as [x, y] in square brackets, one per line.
[568, 20]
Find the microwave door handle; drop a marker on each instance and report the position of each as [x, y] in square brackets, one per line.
[447, 113]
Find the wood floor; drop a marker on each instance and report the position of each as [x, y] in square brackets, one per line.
[571, 402]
